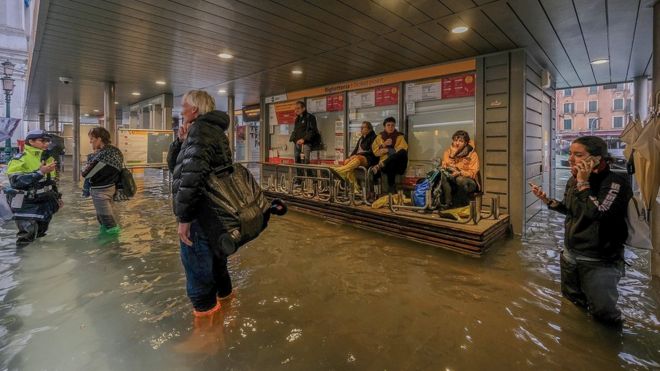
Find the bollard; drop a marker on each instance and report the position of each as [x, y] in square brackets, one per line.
[474, 215]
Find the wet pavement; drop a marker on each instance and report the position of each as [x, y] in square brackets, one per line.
[309, 295]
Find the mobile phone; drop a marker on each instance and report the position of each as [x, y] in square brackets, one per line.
[534, 185]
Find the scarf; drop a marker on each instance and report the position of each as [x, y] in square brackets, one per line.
[462, 153]
[385, 136]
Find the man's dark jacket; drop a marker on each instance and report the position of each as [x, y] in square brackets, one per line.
[191, 162]
[305, 128]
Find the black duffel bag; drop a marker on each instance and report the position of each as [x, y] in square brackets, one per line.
[235, 209]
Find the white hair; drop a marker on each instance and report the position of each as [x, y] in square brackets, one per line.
[200, 100]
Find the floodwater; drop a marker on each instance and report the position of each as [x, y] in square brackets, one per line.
[310, 295]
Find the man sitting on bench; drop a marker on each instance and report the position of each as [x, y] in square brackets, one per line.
[460, 165]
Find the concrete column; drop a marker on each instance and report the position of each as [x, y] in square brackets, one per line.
[232, 123]
[641, 108]
[42, 121]
[655, 208]
[76, 144]
[53, 125]
[110, 119]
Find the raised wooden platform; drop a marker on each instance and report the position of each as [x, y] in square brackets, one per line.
[464, 238]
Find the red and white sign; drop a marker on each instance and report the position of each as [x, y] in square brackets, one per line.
[458, 86]
[286, 114]
[334, 103]
[387, 95]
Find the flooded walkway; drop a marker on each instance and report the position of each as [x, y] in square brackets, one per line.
[310, 295]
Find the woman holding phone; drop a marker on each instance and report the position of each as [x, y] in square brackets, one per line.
[595, 204]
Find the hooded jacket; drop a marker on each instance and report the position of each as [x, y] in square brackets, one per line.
[466, 161]
[595, 217]
[191, 161]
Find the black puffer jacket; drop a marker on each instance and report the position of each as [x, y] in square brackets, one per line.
[205, 149]
[595, 217]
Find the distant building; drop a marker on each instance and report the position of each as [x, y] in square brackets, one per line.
[15, 28]
[600, 110]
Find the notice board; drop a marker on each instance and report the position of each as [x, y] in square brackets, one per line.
[145, 147]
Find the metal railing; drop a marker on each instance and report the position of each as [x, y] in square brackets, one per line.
[326, 186]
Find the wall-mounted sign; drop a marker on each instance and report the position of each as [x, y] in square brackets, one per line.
[251, 113]
[285, 112]
[387, 95]
[458, 86]
[422, 91]
[315, 105]
[361, 99]
[275, 98]
[335, 103]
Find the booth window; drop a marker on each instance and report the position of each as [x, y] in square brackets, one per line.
[373, 105]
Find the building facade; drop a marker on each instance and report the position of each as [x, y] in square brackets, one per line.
[600, 110]
[14, 40]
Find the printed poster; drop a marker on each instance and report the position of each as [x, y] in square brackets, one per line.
[458, 86]
[386, 95]
[361, 99]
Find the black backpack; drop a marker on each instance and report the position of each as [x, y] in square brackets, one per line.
[126, 183]
[235, 210]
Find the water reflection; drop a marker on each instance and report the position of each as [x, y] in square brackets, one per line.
[309, 295]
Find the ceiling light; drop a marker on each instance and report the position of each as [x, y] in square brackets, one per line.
[297, 72]
[160, 82]
[225, 56]
[116, 102]
[96, 111]
[87, 115]
[600, 61]
[459, 29]
[222, 91]
[137, 94]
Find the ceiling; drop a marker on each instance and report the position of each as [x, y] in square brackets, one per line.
[136, 42]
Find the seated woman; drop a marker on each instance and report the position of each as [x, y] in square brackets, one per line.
[361, 155]
[392, 149]
[460, 164]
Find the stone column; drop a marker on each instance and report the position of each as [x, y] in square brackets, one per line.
[110, 119]
[655, 208]
[232, 123]
[641, 91]
[42, 121]
[76, 143]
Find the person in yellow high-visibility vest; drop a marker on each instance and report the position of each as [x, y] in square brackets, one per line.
[33, 195]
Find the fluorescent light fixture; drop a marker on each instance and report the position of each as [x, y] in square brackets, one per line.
[443, 124]
[600, 61]
[136, 93]
[222, 91]
[297, 72]
[459, 29]
[225, 56]
[160, 82]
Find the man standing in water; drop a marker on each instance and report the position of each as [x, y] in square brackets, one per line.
[33, 196]
[201, 145]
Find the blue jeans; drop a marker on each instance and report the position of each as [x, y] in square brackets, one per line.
[206, 274]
